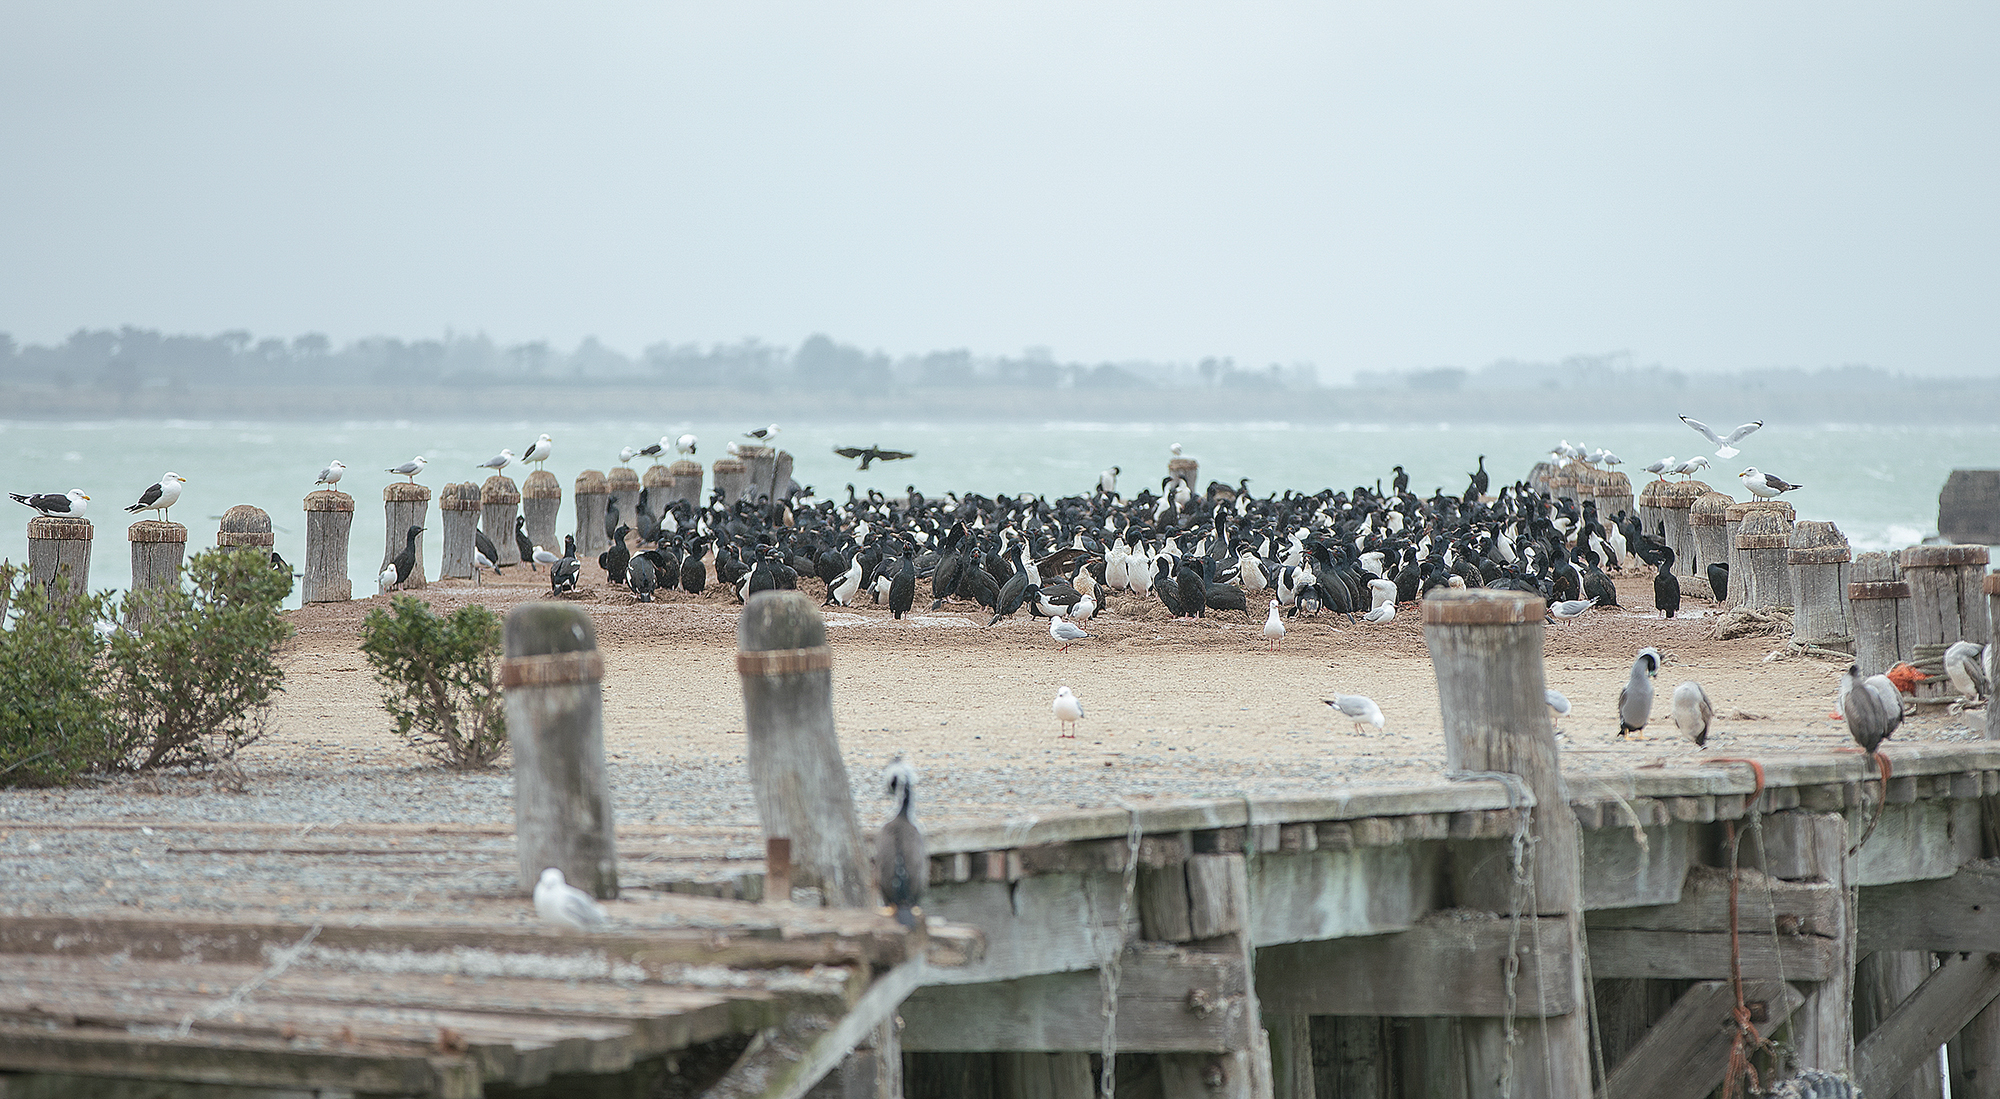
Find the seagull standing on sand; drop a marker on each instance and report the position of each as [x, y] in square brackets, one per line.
[1065, 631]
[539, 451]
[1635, 699]
[1765, 485]
[1274, 630]
[410, 468]
[1068, 710]
[561, 903]
[1566, 609]
[1693, 712]
[1359, 709]
[332, 473]
[1386, 612]
[160, 496]
[499, 461]
[1727, 450]
[1558, 704]
[56, 505]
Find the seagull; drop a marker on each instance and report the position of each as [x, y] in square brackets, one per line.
[1175, 448]
[498, 462]
[626, 454]
[1068, 709]
[538, 451]
[1766, 485]
[1692, 712]
[1660, 468]
[1065, 631]
[1635, 698]
[763, 434]
[1558, 703]
[160, 495]
[656, 449]
[1726, 450]
[902, 860]
[1384, 613]
[387, 580]
[1359, 709]
[544, 557]
[1107, 482]
[1609, 458]
[1274, 630]
[1564, 610]
[1381, 591]
[481, 564]
[1872, 707]
[410, 468]
[1962, 663]
[332, 473]
[559, 902]
[869, 454]
[1693, 465]
[684, 444]
[56, 505]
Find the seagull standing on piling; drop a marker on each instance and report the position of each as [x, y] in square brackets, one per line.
[410, 468]
[539, 451]
[1727, 450]
[1765, 485]
[499, 461]
[1635, 699]
[332, 473]
[685, 444]
[902, 860]
[626, 454]
[1660, 468]
[160, 496]
[55, 505]
[763, 434]
[561, 903]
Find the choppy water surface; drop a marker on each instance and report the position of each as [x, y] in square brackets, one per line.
[1879, 484]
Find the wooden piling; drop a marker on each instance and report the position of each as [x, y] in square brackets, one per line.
[1486, 647]
[157, 551]
[623, 485]
[329, 522]
[1562, 482]
[1818, 556]
[658, 480]
[796, 775]
[1675, 503]
[405, 505]
[1187, 471]
[458, 513]
[1991, 584]
[541, 500]
[246, 526]
[1538, 477]
[59, 547]
[781, 476]
[759, 462]
[1763, 539]
[1877, 604]
[687, 480]
[1708, 519]
[1652, 516]
[591, 493]
[732, 477]
[497, 499]
[1614, 494]
[553, 675]
[1947, 604]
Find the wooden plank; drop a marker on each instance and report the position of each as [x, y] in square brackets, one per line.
[1291, 1056]
[1955, 914]
[1686, 1054]
[64, 1086]
[1763, 903]
[1218, 893]
[1043, 1076]
[1356, 1063]
[780, 1069]
[1620, 872]
[1924, 839]
[1882, 981]
[1444, 966]
[1050, 923]
[1681, 955]
[1329, 893]
[1162, 896]
[1823, 1028]
[1940, 1008]
[1169, 998]
[1206, 1076]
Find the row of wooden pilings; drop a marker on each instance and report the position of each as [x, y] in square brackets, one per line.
[63, 546]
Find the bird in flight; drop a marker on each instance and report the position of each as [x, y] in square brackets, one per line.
[869, 454]
[1727, 449]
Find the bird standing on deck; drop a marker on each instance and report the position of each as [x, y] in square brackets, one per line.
[565, 905]
[57, 505]
[1635, 699]
[1765, 485]
[1967, 671]
[1872, 707]
[160, 496]
[902, 861]
[410, 468]
[1068, 710]
[1359, 709]
[1692, 712]
[332, 473]
[1065, 631]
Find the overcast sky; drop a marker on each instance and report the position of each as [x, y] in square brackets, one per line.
[1381, 186]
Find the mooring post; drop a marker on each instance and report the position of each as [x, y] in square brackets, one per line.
[1486, 647]
[1184, 470]
[1947, 604]
[246, 526]
[1818, 557]
[658, 481]
[1614, 494]
[1675, 506]
[687, 481]
[329, 521]
[157, 551]
[623, 485]
[1763, 542]
[498, 498]
[405, 505]
[1878, 601]
[591, 493]
[781, 476]
[59, 547]
[1708, 519]
[458, 513]
[553, 676]
[541, 500]
[732, 477]
[1991, 585]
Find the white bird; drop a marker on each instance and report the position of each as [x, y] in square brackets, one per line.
[1381, 591]
[1274, 630]
[410, 468]
[61, 505]
[539, 451]
[1968, 674]
[1635, 698]
[763, 434]
[559, 902]
[499, 461]
[160, 496]
[1384, 613]
[481, 565]
[626, 454]
[1107, 482]
[1359, 709]
[1068, 710]
[1176, 449]
[544, 557]
[1065, 631]
[1692, 712]
[1564, 610]
[1610, 459]
[1084, 610]
[1558, 703]
[1693, 465]
[1765, 485]
[386, 581]
[1727, 450]
[332, 473]
[684, 444]
[1660, 468]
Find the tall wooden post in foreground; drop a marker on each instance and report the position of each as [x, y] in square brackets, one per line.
[1487, 649]
[59, 547]
[554, 677]
[329, 522]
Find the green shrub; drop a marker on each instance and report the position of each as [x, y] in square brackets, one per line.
[439, 679]
[54, 720]
[194, 681]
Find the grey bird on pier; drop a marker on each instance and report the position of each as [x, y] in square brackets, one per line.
[1635, 699]
[565, 905]
[1872, 706]
[902, 863]
[1693, 712]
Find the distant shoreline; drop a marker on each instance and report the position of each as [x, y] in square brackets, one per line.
[1958, 402]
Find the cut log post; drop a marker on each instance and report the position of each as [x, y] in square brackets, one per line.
[1818, 557]
[406, 505]
[553, 676]
[1739, 568]
[687, 481]
[1975, 1069]
[1486, 647]
[498, 498]
[1187, 471]
[157, 551]
[1877, 606]
[659, 485]
[1947, 605]
[591, 493]
[329, 522]
[1652, 516]
[1675, 504]
[758, 463]
[1708, 519]
[781, 476]
[623, 484]
[1763, 541]
[59, 548]
[541, 501]
[458, 511]
[732, 478]
[797, 777]
[1991, 584]
[1882, 981]
[1562, 482]
[246, 526]
[1614, 495]
[1538, 477]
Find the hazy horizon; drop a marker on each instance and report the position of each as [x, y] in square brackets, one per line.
[1707, 187]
